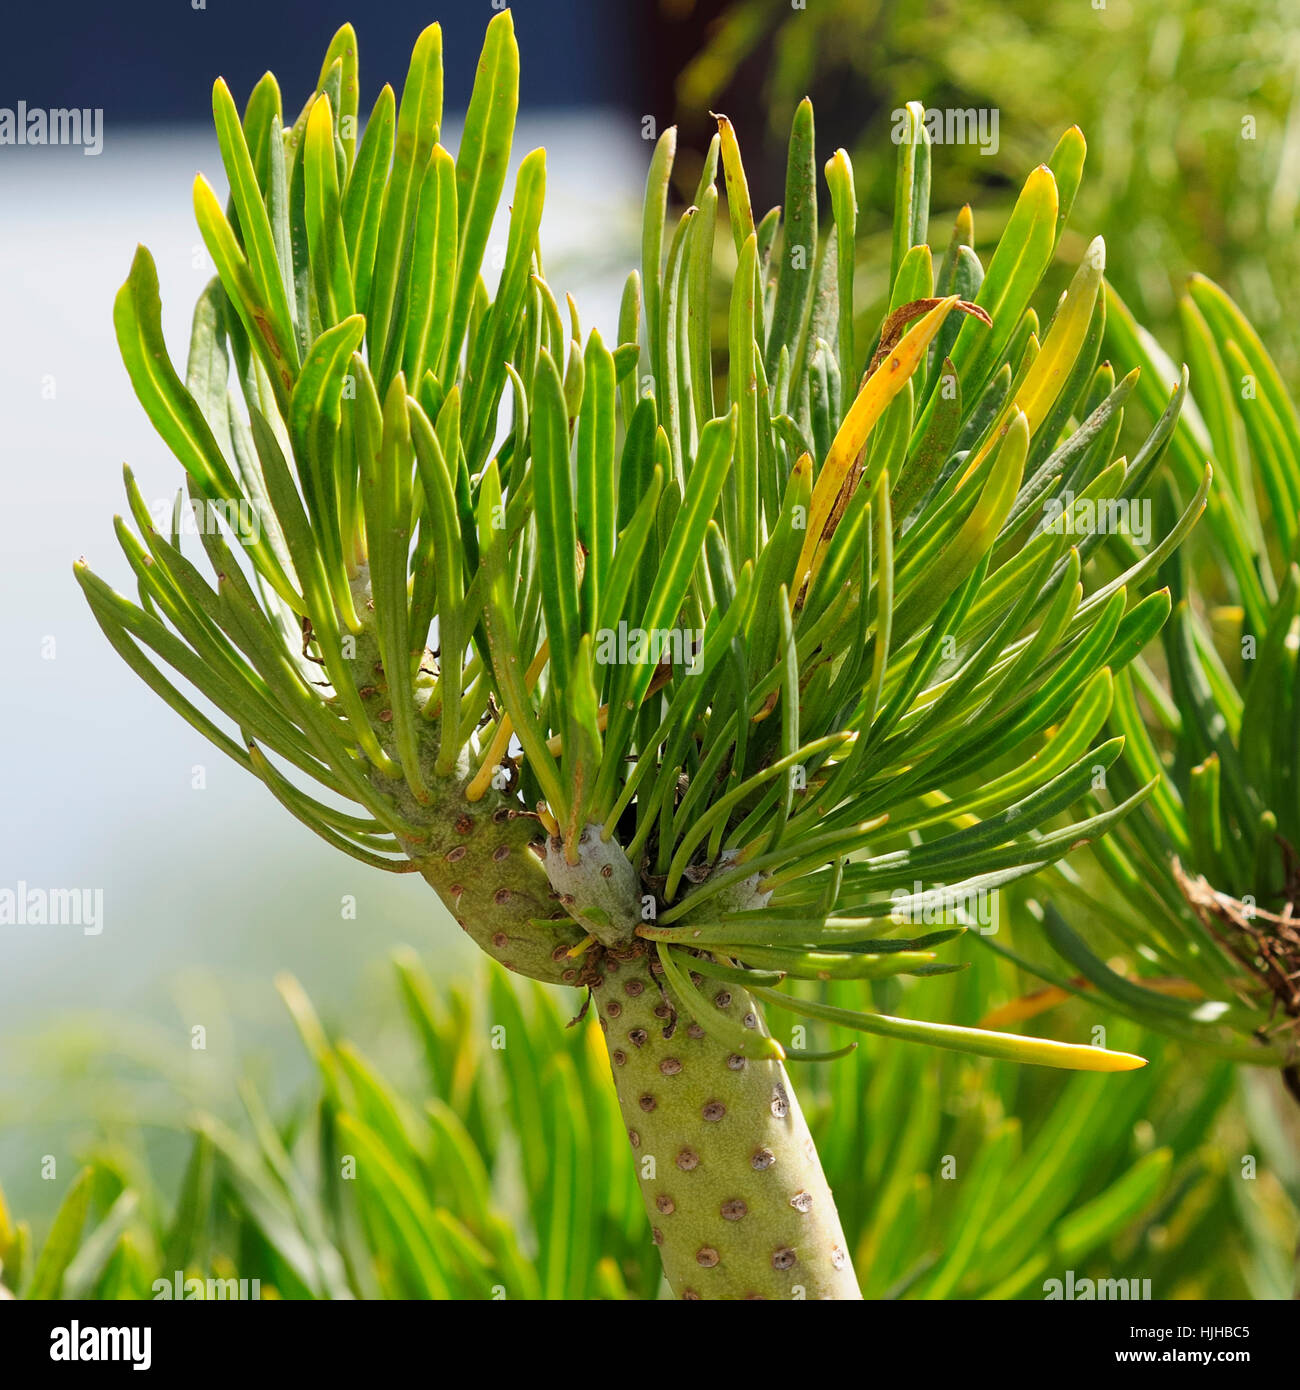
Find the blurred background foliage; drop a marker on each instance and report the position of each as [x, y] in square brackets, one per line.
[490, 1162]
[1191, 112]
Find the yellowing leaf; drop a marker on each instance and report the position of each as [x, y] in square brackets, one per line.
[879, 389]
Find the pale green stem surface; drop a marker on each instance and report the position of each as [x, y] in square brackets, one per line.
[732, 1183]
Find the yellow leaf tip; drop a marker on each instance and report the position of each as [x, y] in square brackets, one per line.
[1125, 1061]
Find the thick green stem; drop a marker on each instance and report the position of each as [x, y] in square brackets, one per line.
[484, 858]
[731, 1178]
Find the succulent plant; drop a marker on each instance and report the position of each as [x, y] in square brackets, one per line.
[674, 683]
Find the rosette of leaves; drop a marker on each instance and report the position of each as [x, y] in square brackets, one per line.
[1206, 877]
[672, 683]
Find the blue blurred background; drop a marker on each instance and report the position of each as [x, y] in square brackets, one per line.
[153, 61]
